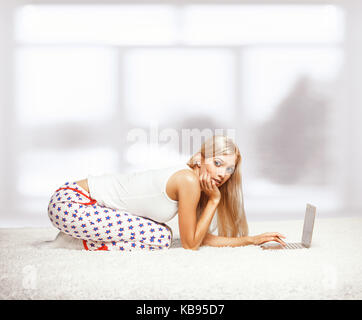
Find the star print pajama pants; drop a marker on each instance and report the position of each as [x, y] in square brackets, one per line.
[73, 212]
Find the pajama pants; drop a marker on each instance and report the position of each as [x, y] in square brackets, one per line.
[76, 214]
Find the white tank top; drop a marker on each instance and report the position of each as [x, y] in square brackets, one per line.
[142, 193]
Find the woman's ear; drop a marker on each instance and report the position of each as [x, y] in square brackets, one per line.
[197, 159]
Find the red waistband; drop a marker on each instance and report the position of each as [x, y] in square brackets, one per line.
[92, 201]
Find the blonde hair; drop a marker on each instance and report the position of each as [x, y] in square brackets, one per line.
[231, 219]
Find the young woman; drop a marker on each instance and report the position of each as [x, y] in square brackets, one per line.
[129, 211]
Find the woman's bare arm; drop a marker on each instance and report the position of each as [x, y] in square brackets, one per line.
[192, 232]
[217, 241]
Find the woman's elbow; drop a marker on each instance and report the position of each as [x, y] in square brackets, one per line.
[189, 246]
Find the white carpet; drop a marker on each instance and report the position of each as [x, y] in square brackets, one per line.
[331, 269]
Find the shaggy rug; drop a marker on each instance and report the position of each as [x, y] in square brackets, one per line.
[330, 269]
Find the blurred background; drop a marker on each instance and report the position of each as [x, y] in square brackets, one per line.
[285, 76]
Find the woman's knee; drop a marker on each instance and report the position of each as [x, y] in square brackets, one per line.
[169, 235]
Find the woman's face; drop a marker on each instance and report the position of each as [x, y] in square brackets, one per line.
[220, 168]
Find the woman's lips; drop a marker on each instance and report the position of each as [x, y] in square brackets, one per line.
[217, 181]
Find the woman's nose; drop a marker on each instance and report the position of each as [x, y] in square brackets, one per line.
[221, 174]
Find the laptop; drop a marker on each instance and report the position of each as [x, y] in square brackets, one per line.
[306, 236]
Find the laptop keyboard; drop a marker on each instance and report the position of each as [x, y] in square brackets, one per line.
[293, 246]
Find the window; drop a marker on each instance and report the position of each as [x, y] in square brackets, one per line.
[241, 24]
[65, 84]
[96, 24]
[178, 82]
[92, 72]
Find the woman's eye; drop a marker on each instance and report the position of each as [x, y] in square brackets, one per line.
[217, 163]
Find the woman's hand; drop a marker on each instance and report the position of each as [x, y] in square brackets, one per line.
[209, 187]
[266, 237]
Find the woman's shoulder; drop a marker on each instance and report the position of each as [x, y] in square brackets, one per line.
[183, 181]
[186, 177]
[187, 186]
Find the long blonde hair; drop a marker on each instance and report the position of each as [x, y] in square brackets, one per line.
[231, 218]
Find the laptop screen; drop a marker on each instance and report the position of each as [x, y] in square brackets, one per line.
[308, 225]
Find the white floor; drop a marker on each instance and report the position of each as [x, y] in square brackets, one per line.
[331, 269]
